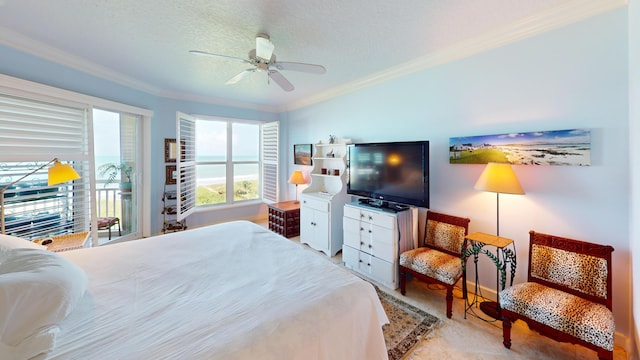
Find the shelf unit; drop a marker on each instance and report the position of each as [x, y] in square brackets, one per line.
[170, 222]
[322, 202]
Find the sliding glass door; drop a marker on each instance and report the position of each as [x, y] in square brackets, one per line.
[117, 158]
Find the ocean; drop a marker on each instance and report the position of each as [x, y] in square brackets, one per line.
[206, 174]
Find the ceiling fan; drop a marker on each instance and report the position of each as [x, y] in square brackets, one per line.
[264, 60]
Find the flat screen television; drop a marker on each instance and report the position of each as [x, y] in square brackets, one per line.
[396, 172]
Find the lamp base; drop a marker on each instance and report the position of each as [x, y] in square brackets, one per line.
[491, 309]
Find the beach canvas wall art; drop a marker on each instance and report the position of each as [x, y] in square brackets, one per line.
[557, 147]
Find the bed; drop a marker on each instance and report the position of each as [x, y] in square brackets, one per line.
[228, 291]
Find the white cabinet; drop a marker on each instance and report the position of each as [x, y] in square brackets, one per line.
[374, 238]
[322, 202]
[314, 223]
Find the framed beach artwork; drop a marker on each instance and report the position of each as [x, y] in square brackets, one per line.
[302, 154]
[557, 147]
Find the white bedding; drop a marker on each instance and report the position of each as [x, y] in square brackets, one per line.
[228, 291]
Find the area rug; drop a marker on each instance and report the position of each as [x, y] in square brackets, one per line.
[408, 325]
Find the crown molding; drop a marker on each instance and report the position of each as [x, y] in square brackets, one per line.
[539, 23]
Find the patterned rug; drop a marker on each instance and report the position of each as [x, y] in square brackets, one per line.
[408, 325]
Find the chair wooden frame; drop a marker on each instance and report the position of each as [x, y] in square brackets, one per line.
[575, 246]
[403, 271]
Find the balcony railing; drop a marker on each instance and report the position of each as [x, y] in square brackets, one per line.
[109, 202]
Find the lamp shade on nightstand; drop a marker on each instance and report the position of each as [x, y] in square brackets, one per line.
[297, 178]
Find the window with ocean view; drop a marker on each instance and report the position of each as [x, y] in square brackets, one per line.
[227, 161]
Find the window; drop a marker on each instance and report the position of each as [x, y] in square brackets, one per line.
[34, 132]
[234, 159]
[41, 122]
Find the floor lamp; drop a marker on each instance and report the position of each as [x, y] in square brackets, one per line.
[58, 173]
[297, 179]
[500, 179]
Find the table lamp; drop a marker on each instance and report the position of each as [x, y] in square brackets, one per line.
[298, 179]
[58, 173]
[500, 179]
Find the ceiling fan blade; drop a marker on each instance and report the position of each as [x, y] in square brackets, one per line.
[202, 53]
[264, 47]
[280, 80]
[240, 76]
[308, 68]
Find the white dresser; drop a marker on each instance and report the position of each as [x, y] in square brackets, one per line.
[374, 238]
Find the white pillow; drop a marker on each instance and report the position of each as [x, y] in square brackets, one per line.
[38, 289]
[8, 243]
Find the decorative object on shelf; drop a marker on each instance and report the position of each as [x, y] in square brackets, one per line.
[171, 150]
[297, 178]
[558, 147]
[499, 178]
[57, 174]
[332, 139]
[170, 175]
[331, 154]
[112, 170]
[302, 154]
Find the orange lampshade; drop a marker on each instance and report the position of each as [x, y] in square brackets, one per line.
[297, 178]
[59, 173]
[499, 178]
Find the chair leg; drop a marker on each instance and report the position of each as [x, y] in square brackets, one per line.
[119, 230]
[605, 355]
[449, 301]
[109, 227]
[506, 332]
[403, 282]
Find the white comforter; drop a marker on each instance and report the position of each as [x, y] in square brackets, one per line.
[228, 291]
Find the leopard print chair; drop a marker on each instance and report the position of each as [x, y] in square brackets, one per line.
[438, 260]
[567, 296]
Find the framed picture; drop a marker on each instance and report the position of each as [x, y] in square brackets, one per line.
[302, 154]
[557, 147]
[171, 150]
[171, 174]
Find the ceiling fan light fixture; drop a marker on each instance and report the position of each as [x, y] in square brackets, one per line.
[264, 60]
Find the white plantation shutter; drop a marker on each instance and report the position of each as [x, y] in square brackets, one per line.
[270, 161]
[34, 130]
[186, 181]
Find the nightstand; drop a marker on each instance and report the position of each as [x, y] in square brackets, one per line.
[284, 218]
[65, 242]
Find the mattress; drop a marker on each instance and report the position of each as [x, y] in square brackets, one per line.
[228, 291]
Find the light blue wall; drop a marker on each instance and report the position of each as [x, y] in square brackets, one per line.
[573, 77]
[32, 68]
[634, 142]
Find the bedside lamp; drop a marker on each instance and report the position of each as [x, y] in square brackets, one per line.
[499, 178]
[298, 179]
[58, 173]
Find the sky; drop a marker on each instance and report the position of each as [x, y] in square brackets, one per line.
[573, 136]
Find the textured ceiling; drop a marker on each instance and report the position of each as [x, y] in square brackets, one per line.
[145, 43]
